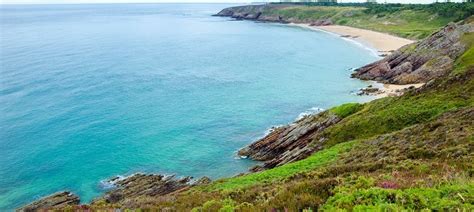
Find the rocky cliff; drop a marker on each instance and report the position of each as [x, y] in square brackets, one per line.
[264, 13]
[289, 143]
[143, 185]
[136, 186]
[422, 61]
[52, 202]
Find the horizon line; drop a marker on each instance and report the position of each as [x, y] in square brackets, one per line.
[178, 2]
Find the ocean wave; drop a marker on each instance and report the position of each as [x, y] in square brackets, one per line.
[110, 183]
[311, 111]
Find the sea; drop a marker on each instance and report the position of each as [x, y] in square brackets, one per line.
[93, 91]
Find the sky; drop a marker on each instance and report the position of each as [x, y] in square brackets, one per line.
[185, 1]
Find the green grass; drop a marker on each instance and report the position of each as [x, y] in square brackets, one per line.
[455, 195]
[394, 113]
[319, 159]
[347, 109]
[466, 60]
[413, 24]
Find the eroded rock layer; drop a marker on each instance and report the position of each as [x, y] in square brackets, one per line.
[144, 185]
[289, 143]
[51, 202]
[422, 61]
[262, 13]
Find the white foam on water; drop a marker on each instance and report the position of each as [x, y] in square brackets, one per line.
[311, 111]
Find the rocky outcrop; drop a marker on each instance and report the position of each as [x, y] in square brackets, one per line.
[125, 189]
[252, 12]
[420, 62]
[291, 142]
[51, 202]
[263, 13]
[139, 185]
[369, 91]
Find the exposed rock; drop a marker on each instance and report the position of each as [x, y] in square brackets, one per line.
[260, 13]
[144, 185]
[289, 143]
[322, 22]
[203, 181]
[369, 91]
[422, 61]
[57, 200]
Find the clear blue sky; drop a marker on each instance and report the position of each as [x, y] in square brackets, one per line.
[166, 1]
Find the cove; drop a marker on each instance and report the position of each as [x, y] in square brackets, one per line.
[88, 92]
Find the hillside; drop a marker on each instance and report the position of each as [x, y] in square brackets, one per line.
[411, 152]
[408, 21]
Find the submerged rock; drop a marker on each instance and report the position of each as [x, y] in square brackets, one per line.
[54, 201]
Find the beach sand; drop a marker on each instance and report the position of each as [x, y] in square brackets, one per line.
[396, 90]
[382, 42]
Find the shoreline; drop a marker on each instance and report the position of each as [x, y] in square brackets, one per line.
[383, 43]
[386, 90]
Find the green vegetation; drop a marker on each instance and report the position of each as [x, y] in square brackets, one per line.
[363, 195]
[467, 59]
[409, 21]
[407, 153]
[347, 109]
[449, 10]
[392, 114]
[280, 173]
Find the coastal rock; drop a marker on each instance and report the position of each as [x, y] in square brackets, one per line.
[203, 181]
[54, 201]
[322, 22]
[289, 143]
[261, 13]
[148, 185]
[369, 91]
[422, 61]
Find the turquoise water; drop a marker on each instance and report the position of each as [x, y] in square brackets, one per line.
[93, 91]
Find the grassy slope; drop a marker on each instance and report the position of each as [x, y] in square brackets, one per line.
[409, 152]
[315, 161]
[411, 24]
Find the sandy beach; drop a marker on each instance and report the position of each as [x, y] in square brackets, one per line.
[382, 42]
[396, 90]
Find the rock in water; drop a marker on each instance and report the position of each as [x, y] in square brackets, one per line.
[420, 62]
[54, 201]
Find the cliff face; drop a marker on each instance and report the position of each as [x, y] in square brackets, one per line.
[422, 61]
[263, 13]
[251, 12]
